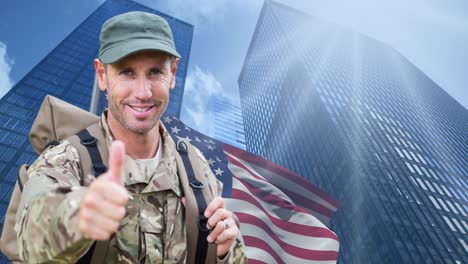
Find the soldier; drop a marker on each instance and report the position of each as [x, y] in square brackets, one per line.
[138, 203]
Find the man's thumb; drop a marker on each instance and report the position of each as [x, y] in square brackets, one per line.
[116, 161]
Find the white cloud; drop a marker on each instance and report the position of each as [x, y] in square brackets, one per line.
[196, 11]
[200, 88]
[204, 82]
[196, 117]
[5, 68]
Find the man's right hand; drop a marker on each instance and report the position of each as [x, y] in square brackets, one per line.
[103, 205]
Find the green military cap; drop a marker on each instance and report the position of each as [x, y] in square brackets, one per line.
[131, 32]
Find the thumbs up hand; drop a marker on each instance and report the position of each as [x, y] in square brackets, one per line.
[116, 162]
[103, 205]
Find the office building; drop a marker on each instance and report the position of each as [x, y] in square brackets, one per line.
[226, 121]
[358, 119]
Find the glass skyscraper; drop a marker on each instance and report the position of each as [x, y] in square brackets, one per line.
[67, 72]
[355, 117]
[227, 122]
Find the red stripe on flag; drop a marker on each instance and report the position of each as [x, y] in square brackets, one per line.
[298, 252]
[254, 261]
[311, 204]
[307, 203]
[270, 198]
[285, 225]
[251, 241]
[272, 167]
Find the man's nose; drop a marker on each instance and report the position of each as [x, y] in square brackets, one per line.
[143, 89]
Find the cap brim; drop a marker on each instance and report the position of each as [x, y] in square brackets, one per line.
[121, 51]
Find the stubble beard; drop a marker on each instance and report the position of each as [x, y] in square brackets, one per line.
[118, 115]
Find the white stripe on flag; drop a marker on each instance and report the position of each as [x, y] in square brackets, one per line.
[284, 243]
[280, 180]
[287, 258]
[300, 218]
[259, 254]
[266, 186]
[294, 239]
[304, 197]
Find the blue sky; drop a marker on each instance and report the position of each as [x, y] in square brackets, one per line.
[430, 33]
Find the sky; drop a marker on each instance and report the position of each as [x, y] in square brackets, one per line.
[432, 34]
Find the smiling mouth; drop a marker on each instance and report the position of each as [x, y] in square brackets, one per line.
[141, 109]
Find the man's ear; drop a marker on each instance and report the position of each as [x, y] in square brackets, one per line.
[100, 69]
[174, 64]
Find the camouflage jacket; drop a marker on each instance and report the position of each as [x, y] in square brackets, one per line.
[153, 230]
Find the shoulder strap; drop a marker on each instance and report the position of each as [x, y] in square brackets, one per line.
[197, 195]
[92, 150]
[90, 143]
[197, 186]
[87, 143]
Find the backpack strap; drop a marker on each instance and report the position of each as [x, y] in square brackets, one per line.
[197, 195]
[92, 150]
[197, 186]
[90, 144]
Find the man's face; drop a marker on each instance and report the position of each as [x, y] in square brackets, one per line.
[138, 89]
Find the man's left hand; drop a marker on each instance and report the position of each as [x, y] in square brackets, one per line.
[223, 228]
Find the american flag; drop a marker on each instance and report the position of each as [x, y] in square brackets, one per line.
[283, 217]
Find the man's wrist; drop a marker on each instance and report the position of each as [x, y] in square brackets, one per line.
[225, 258]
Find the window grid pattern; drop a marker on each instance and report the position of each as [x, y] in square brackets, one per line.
[227, 123]
[355, 117]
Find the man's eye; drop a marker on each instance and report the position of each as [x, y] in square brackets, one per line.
[126, 72]
[155, 72]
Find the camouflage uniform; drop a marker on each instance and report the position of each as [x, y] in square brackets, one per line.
[153, 230]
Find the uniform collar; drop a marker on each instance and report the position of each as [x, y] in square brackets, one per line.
[164, 177]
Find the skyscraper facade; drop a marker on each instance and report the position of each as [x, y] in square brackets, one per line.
[67, 72]
[227, 122]
[354, 116]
